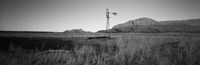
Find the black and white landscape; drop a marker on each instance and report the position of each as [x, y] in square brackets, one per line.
[72, 32]
[147, 46]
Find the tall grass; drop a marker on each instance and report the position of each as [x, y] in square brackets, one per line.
[121, 51]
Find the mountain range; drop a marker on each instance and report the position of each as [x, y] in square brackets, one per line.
[148, 25]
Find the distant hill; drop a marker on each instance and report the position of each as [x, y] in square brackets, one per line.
[27, 31]
[147, 25]
[76, 31]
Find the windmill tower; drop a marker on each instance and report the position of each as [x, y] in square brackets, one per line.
[108, 17]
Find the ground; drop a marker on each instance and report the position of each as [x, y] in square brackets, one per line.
[119, 49]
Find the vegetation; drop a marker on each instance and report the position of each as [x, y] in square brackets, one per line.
[138, 49]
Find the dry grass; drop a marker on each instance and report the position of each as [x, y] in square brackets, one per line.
[126, 50]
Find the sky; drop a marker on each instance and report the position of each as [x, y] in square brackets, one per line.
[89, 15]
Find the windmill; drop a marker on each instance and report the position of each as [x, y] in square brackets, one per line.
[107, 26]
[108, 17]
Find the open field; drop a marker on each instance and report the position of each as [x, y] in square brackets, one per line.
[121, 49]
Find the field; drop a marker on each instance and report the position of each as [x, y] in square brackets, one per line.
[120, 49]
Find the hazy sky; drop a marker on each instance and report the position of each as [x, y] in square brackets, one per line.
[60, 15]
